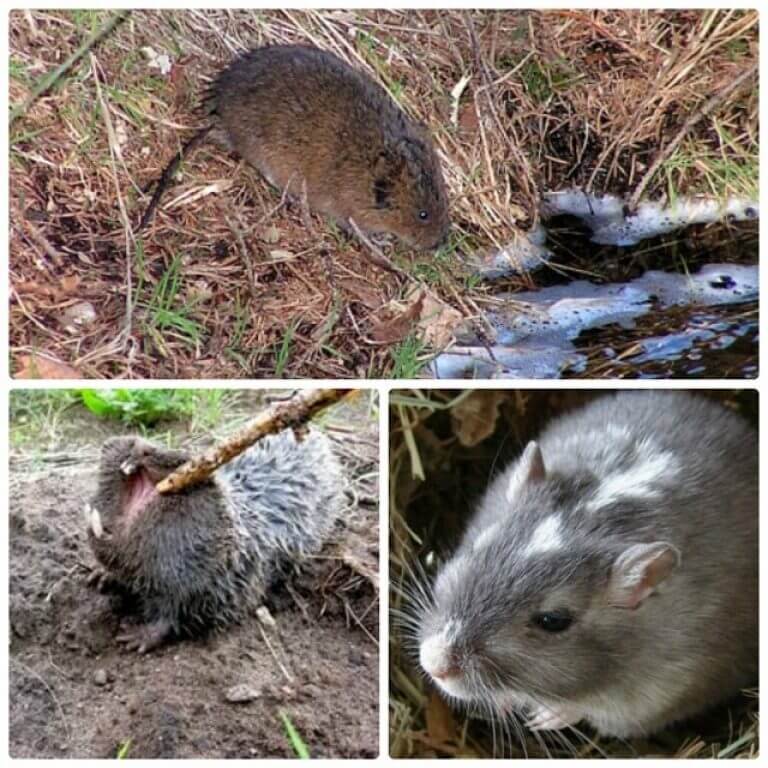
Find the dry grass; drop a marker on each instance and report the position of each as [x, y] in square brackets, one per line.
[454, 439]
[227, 282]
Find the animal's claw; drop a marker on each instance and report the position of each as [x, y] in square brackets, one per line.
[143, 638]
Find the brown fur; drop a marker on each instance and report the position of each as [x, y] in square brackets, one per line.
[327, 133]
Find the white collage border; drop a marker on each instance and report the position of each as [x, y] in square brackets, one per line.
[382, 386]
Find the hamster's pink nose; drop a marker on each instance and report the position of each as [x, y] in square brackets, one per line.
[438, 658]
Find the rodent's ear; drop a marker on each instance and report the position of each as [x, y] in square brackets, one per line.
[638, 570]
[386, 170]
[382, 192]
[529, 469]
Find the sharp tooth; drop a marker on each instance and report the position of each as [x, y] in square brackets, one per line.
[87, 513]
[96, 526]
[127, 467]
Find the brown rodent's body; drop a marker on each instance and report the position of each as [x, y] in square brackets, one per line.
[204, 557]
[330, 135]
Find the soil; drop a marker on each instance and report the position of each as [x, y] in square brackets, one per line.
[75, 693]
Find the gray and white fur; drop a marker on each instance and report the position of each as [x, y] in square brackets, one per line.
[203, 557]
[609, 575]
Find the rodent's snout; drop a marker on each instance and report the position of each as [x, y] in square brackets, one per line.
[428, 242]
[440, 659]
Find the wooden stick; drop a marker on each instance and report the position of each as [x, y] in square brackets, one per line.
[708, 107]
[279, 416]
[50, 79]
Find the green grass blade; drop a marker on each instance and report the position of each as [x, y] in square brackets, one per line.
[297, 743]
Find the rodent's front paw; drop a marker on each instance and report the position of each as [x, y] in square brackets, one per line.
[551, 719]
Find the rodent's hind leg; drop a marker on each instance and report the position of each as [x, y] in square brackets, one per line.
[144, 637]
[551, 718]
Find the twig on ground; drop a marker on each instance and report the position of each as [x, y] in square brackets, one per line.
[49, 80]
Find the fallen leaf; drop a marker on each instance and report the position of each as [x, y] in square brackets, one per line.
[396, 320]
[433, 319]
[271, 235]
[475, 417]
[157, 60]
[438, 321]
[70, 283]
[279, 255]
[367, 296]
[441, 725]
[39, 367]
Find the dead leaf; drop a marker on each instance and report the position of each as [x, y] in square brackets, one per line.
[468, 122]
[78, 315]
[39, 367]
[271, 235]
[281, 255]
[70, 283]
[441, 725]
[155, 60]
[366, 296]
[422, 311]
[475, 417]
[438, 321]
[396, 320]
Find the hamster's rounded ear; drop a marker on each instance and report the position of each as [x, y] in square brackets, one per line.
[529, 469]
[638, 570]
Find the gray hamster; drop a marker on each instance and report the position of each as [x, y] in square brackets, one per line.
[609, 575]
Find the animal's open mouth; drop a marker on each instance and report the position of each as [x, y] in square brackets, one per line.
[139, 489]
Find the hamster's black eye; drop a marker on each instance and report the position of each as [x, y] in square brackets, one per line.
[553, 621]
[423, 215]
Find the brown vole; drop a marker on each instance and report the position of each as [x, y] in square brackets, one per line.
[203, 557]
[331, 136]
[610, 575]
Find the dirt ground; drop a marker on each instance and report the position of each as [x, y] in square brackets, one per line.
[75, 693]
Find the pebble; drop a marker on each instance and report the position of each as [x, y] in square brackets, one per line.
[241, 694]
[265, 617]
[100, 677]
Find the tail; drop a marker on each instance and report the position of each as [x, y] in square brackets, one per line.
[168, 173]
[287, 494]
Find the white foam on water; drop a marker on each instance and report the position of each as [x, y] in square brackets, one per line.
[607, 218]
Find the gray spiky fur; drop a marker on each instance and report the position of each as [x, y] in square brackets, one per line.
[203, 557]
[692, 643]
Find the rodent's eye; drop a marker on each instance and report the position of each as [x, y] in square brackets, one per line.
[423, 215]
[553, 621]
